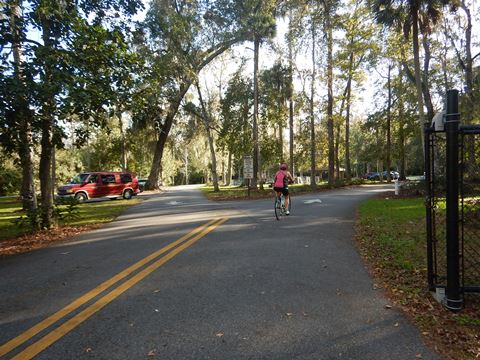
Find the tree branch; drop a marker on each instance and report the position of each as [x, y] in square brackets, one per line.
[217, 50]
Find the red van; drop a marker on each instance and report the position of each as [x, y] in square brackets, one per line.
[101, 184]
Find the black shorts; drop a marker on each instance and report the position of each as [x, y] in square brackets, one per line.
[283, 190]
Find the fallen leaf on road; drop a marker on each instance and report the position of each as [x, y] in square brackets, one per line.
[156, 291]
[388, 306]
[396, 325]
[289, 314]
[88, 350]
[219, 335]
[151, 353]
[418, 356]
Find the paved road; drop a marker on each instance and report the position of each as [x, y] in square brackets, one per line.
[244, 286]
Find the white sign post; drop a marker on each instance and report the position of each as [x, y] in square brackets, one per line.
[248, 170]
[248, 167]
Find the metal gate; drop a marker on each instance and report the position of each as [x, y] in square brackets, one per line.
[470, 207]
[452, 176]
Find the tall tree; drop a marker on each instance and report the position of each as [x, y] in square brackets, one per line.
[329, 7]
[262, 23]
[412, 16]
[204, 113]
[275, 83]
[16, 132]
[358, 49]
[57, 64]
[236, 135]
[465, 57]
[187, 36]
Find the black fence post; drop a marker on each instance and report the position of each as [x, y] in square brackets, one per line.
[454, 299]
[427, 135]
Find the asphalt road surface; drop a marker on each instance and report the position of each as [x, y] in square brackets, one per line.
[180, 277]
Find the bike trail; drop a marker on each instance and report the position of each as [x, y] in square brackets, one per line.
[251, 288]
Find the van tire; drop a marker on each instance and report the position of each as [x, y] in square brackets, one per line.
[81, 197]
[127, 194]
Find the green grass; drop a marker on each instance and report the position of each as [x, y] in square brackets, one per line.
[87, 214]
[10, 209]
[396, 229]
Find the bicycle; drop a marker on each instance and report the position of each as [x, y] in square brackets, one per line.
[279, 207]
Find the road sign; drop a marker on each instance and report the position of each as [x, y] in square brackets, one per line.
[248, 167]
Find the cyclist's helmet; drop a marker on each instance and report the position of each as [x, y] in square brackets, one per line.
[283, 166]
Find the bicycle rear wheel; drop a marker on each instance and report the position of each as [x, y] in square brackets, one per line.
[278, 208]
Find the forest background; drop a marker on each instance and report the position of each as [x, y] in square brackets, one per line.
[179, 91]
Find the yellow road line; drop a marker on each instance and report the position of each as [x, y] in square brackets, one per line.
[72, 323]
[25, 336]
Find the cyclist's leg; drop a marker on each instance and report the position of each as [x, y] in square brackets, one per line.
[277, 195]
[287, 199]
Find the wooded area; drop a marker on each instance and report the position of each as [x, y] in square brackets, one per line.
[180, 90]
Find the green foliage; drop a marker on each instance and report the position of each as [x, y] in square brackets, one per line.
[10, 177]
[236, 130]
[467, 320]
[30, 221]
[67, 209]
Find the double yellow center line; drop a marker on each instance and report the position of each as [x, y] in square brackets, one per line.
[58, 332]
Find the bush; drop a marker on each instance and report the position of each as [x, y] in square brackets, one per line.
[413, 187]
[10, 181]
[67, 208]
[31, 221]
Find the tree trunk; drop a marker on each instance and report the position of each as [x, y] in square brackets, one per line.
[290, 93]
[389, 121]
[255, 113]
[206, 122]
[280, 135]
[186, 165]
[425, 84]
[229, 169]
[154, 178]
[48, 118]
[444, 60]
[348, 169]
[22, 114]
[401, 131]
[337, 151]
[418, 75]
[468, 67]
[331, 150]
[313, 169]
[123, 141]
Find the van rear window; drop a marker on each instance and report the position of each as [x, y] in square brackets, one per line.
[125, 178]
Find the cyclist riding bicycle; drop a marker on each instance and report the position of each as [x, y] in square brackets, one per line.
[280, 185]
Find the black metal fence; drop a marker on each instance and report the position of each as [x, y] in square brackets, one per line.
[452, 174]
[470, 207]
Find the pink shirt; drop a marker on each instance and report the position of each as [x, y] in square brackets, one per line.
[280, 179]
